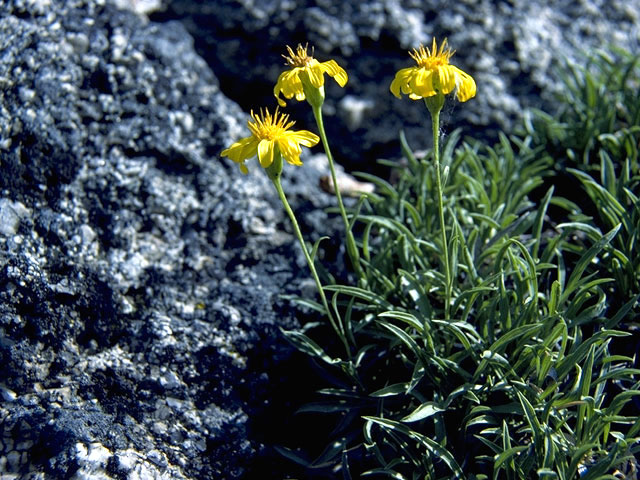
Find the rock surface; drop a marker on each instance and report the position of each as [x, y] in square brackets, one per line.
[511, 47]
[140, 274]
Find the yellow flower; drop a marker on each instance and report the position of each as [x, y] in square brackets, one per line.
[433, 75]
[306, 76]
[270, 136]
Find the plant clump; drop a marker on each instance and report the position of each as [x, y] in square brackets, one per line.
[489, 329]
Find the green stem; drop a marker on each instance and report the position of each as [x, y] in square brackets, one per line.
[435, 124]
[314, 273]
[352, 248]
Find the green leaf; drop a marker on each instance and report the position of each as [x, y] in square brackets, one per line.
[405, 338]
[532, 419]
[579, 351]
[356, 211]
[383, 186]
[329, 455]
[387, 473]
[425, 410]
[504, 340]
[305, 302]
[326, 407]
[506, 456]
[314, 250]
[620, 400]
[622, 313]
[308, 346]
[539, 220]
[618, 374]
[405, 317]
[463, 331]
[415, 289]
[408, 153]
[584, 385]
[339, 392]
[546, 473]
[391, 390]
[437, 450]
[293, 456]
[574, 280]
[452, 141]
[481, 420]
[607, 172]
[415, 215]
[578, 456]
[361, 294]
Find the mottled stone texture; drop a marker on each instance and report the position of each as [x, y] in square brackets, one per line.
[511, 47]
[139, 273]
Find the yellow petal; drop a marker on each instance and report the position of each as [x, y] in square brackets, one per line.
[466, 86]
[421, 83]
[281, 102]
[278, 88]
[401, 79]
[244, 169]
[336, 71]
[304, 137]
[289, 84]
[290, 149]
[292, 83]
[447, 78]
[406, 89]
[294, 160]
[242, 149]
[265, 152]
[316, 74]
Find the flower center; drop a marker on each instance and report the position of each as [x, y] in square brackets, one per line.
[268, 127]
[299, 58]
[432, 59]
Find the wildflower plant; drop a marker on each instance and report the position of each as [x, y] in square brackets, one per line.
[305, 81]
[496, 341]
[271, 140]
[431, 80]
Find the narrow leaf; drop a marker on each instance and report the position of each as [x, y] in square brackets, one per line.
[425, 410]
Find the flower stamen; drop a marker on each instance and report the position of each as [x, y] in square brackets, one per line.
[268, 127]
[299, 58]
[432, 58]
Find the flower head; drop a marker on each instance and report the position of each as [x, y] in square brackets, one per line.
[433, 75]
[270, 136]
[305, 79]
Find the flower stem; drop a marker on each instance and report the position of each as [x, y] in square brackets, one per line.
[352, 248]
[435, 107]
[283, 198]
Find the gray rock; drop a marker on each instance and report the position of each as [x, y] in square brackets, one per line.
[10, 215]
[140, 273]
[510, 47]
